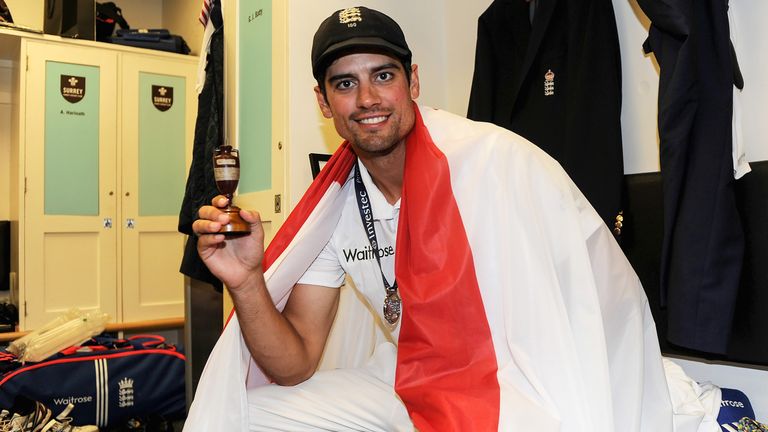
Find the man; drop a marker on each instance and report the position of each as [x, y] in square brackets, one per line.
[502, 299]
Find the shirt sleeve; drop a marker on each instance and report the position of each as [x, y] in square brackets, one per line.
[326, 270]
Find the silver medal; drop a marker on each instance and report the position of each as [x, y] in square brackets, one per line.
[392, 308]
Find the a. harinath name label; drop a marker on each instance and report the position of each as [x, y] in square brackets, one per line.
[162, 97]
[73, 88]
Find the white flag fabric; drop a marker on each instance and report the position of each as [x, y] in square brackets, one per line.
[519, 309]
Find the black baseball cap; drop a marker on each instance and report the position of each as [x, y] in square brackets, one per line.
[353, 28]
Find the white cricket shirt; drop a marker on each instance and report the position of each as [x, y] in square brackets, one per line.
[349, 251]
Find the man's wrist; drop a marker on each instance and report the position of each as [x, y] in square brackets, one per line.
[251, 284]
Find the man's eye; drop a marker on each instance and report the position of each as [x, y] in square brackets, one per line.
[344, 84]
[384, 76]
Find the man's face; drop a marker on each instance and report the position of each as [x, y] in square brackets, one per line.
[370, 101]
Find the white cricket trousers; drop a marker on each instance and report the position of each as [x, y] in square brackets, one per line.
[361, 399]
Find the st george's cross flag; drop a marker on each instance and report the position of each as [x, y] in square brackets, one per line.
[519, 309]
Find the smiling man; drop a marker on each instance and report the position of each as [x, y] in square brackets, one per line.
[498, 299]
[370, 99]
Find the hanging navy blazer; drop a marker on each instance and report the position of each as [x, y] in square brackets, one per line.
[201, 184]
[557, 82]
[703, 243]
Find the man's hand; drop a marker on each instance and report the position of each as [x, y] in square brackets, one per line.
[233, 260]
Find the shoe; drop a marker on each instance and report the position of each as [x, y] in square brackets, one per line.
[33, 416]
[62, 423]
[37, 415]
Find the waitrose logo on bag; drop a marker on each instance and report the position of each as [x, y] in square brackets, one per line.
[74, 400]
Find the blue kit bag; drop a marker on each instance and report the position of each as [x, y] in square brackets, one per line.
[734, 406]
[108, 380]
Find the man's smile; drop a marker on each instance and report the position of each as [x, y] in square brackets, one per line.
[373, 120]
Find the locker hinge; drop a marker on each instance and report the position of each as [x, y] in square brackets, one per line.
[25, 185]
[27, 65]
[277, 204]
[25, 308]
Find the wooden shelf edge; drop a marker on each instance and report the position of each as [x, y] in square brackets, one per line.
[158, 324]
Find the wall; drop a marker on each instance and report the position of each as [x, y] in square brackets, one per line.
[5, 138]
[640, 86]
[27, 13]
[460, 30]
[181, 18]
[142, 13]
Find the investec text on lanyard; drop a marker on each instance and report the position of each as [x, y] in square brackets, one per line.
[392, 301]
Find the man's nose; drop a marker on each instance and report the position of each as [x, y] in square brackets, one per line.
[367, 96]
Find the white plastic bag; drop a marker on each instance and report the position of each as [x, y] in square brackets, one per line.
[72, 328]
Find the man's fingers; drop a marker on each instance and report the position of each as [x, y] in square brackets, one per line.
[209, 211]
[213, 214]
[251, 217]
[202, 227]
[208, 244]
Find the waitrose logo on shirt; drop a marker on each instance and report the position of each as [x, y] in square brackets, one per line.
[367, 253]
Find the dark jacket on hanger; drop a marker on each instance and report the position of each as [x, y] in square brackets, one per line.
[201, 185]
[703, 242]
[556, 80]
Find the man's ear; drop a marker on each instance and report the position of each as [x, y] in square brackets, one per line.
[323, 103]
[415, 81]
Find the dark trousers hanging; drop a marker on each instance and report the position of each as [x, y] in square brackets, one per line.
[703, 243]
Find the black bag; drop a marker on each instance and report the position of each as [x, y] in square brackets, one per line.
[5, 254]
[107, 16]
[159, 39]
[70, 18]
[5, 13]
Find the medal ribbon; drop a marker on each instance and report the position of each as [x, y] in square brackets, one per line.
[366, 215]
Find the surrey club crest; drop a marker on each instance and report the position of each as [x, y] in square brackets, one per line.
[72, 88]
[162, 97]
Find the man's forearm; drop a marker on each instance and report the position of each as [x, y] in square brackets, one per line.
[271, 339]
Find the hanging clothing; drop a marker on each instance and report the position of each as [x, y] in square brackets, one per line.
[201, 185]
[519, 308]
[740, 164]
[555, 79]
[703, 245]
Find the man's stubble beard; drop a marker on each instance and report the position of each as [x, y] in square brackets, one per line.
[378, 143]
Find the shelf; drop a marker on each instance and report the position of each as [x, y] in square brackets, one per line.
[158, 324]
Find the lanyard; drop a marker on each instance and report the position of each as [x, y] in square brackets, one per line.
[392, 300]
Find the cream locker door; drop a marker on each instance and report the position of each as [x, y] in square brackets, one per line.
[69, 221]
[256, 104]
[159, 105]
[256, 101]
